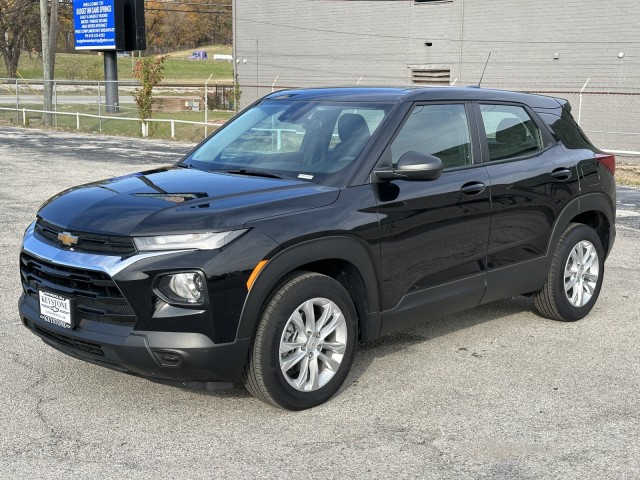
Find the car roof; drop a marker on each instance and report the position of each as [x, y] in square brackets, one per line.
[413, 94]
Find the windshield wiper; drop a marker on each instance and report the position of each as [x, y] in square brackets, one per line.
[253, 173]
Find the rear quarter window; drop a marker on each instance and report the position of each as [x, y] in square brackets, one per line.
[566, 130]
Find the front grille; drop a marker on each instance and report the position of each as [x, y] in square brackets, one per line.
[87, 242]
[82, 345]
[96, 295]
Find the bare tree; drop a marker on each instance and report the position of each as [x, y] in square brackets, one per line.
[49, 28]
[187, 24]
[18, 20]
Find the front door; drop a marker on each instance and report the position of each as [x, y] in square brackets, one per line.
[434, 234]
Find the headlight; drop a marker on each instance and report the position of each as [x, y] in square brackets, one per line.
[188, 241]
[185, 287]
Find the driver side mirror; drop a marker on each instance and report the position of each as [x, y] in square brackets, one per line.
[413, 166]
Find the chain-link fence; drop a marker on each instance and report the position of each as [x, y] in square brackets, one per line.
[610, 117]
[184, 111]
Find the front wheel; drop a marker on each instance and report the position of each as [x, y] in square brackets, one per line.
[575, 277]
[304, 344]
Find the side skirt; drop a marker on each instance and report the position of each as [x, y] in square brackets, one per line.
[417, 307]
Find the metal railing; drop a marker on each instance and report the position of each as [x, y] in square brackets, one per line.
[86, 99]
[144, 124]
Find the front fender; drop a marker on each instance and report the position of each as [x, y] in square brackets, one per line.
[338, 247]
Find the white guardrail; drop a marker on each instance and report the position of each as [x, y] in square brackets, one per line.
[143, 124]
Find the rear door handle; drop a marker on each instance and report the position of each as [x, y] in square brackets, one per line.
[473, 188]
[561, 174]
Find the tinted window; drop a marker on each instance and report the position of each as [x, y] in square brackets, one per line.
[566, 130]
[439, 130]
[510, 131]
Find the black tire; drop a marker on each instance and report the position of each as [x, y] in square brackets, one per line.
[263, 375]
[552, 301]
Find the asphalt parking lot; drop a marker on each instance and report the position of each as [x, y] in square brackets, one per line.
[495, 392]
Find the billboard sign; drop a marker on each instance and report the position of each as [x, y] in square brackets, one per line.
[98, 24]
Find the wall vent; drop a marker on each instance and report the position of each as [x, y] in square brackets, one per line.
[431, 76]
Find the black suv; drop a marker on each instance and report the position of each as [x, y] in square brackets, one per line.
[316, 219]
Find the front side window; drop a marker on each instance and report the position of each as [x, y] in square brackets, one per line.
[438, 130]
[309, 140]
[510, 132]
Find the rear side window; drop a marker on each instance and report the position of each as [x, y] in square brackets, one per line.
[439, 130]
[510, 131]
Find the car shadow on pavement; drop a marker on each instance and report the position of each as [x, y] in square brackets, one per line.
[392, 344]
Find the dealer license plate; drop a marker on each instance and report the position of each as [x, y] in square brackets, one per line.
[55, 309]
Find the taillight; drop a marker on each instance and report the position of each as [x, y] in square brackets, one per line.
[607, 160]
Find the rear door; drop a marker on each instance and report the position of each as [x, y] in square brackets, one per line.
[532, 180]
[434, 234]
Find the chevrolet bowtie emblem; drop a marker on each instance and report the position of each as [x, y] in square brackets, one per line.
[67, 239]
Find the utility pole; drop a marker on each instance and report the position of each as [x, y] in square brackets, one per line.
[49, 27]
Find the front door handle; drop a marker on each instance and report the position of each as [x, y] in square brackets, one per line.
[561, 174]
[473, 188]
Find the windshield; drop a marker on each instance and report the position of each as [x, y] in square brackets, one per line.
[313, 141]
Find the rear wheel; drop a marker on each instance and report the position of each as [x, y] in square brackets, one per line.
[305, 343]
[575, 276]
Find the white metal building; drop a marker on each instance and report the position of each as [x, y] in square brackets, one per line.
[546, 45]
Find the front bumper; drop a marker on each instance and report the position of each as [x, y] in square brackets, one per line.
[172, 356]
[167, 356]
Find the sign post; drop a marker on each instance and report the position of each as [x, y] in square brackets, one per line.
[111, 82]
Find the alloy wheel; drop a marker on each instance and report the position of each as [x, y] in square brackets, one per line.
[581, 273]
[313, 344]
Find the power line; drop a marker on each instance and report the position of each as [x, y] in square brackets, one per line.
[173, 2]
[422, 37]
[187, 11]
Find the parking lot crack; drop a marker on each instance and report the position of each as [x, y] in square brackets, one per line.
[55, 437]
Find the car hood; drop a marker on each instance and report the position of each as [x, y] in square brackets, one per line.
[177, 199]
